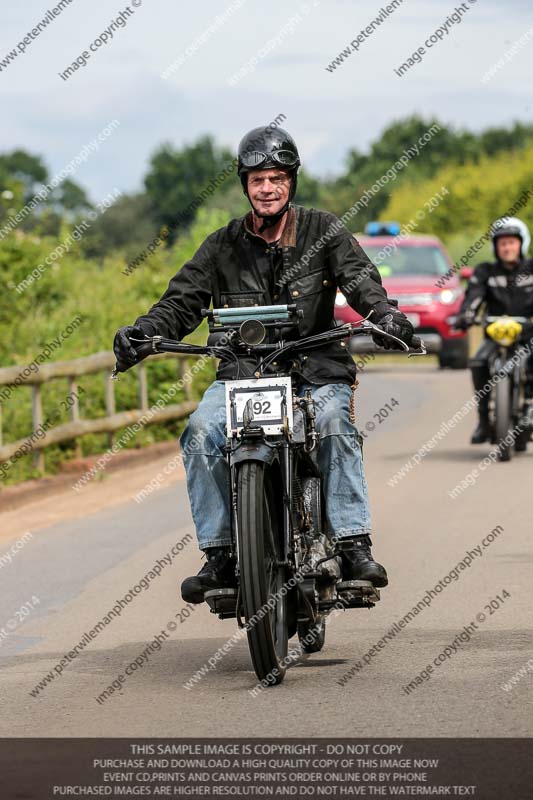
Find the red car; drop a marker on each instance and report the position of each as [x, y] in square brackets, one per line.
[412, 270]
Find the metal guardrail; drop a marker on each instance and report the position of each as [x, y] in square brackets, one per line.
[78, 427]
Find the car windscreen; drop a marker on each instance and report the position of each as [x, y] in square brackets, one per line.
[407, 260]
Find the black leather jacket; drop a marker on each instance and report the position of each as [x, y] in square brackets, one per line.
[235, 267]
[504, 291]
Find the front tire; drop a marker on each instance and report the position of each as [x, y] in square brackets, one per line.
[259, 536]
[502, 418]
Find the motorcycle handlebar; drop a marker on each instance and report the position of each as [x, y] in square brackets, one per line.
[157, 344]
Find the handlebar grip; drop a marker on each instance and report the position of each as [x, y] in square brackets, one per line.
[144, 349]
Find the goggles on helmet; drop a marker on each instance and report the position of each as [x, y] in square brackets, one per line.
[256, 158]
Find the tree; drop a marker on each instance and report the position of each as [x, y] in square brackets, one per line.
[29, 170]
[69, 196]
[397, 138]
[494, 140]
[127, 226]
[21, 177]
[180, 181]
[308, 191]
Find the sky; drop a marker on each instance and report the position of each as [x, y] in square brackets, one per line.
[292, 44]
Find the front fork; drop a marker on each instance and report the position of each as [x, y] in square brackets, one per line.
[514, 373]
[285, 459]
[294, 543]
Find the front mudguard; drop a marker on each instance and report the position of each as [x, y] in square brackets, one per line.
[250, 450]
[273, 454]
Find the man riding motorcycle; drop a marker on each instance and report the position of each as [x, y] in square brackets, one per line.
[506, 287]
[277, 253]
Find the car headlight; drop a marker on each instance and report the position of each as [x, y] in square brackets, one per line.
[340, 299]
[448, 296]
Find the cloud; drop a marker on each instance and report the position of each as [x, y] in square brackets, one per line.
[328, 113]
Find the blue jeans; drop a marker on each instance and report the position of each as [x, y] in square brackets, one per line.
[339, 458]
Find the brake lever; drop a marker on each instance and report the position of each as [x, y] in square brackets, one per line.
[154, 341]
[370, 327]
[420, 352]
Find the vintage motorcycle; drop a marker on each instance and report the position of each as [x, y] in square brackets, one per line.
[288, 574]
[510, 410]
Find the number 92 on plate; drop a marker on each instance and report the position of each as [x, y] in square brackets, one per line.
[271, 400]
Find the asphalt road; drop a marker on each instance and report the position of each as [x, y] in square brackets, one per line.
[78, 569]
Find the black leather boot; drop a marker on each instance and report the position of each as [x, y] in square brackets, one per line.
[218, 572]
[480, 377]
[357, 561]
[482, 433]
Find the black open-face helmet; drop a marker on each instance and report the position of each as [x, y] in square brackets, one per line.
[267, 148]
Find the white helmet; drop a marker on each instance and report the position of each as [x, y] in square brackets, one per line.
[511, 226]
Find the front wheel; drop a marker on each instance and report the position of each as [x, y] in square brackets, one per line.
[264, 594]
[502, 419]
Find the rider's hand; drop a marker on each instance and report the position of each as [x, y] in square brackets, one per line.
[464, 320]
[124, 350]
[393, 321]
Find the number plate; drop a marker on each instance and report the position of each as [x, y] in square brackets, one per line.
[271, 399]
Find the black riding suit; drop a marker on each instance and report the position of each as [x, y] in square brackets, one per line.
[504, 291]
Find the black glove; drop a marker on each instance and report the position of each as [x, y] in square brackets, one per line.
[393, 321]
[124, 350]
[527, 332]
[464, 319]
